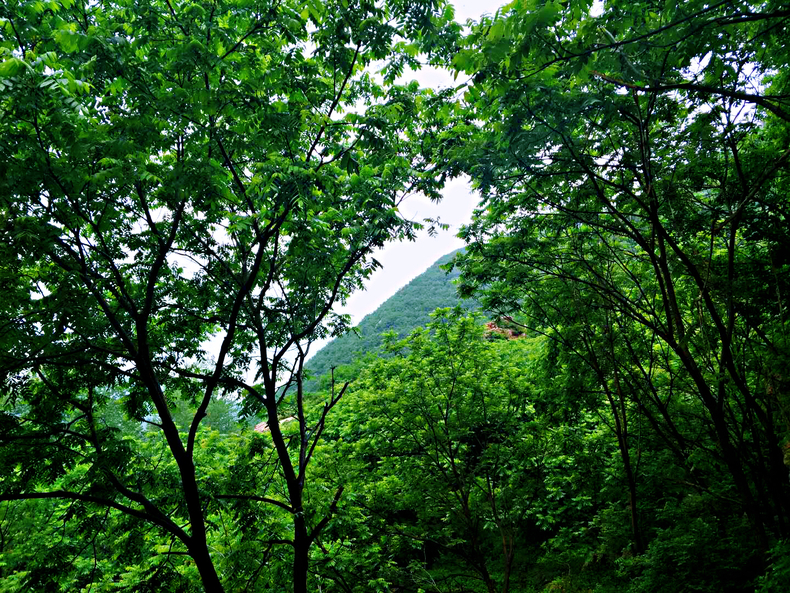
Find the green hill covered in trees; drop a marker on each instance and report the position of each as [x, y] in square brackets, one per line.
[407, 309]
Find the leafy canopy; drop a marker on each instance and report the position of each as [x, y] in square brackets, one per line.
[188, 189]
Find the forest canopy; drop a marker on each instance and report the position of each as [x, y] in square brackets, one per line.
[190, 188]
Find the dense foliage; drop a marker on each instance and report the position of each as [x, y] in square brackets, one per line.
[189, 189]
[635, 214]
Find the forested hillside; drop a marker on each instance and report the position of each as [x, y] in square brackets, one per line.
[406, 310]
[190, 188]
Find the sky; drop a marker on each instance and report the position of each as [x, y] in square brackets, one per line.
[404, 261]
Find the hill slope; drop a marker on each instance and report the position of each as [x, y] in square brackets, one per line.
[407, 309]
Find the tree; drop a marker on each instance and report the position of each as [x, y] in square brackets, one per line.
[458, 478]
[188, 190]
[634, 188]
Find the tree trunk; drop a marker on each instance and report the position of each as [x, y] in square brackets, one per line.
[621, 432]
[301, 537]
[205, 566]
[301, 553]
[622, 443]
[198, 547]
[729, 452]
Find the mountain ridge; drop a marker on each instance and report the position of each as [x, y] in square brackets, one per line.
[408, 308]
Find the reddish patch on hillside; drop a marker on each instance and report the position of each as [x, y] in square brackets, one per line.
[503, 327]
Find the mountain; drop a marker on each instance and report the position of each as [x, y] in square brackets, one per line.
[407, 309]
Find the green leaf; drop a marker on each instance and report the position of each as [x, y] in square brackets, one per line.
[67, 40]
[11, 67]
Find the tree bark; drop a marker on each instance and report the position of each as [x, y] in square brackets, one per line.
[208, 574]
[301, 553]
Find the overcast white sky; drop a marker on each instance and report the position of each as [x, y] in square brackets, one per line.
[405, 261]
